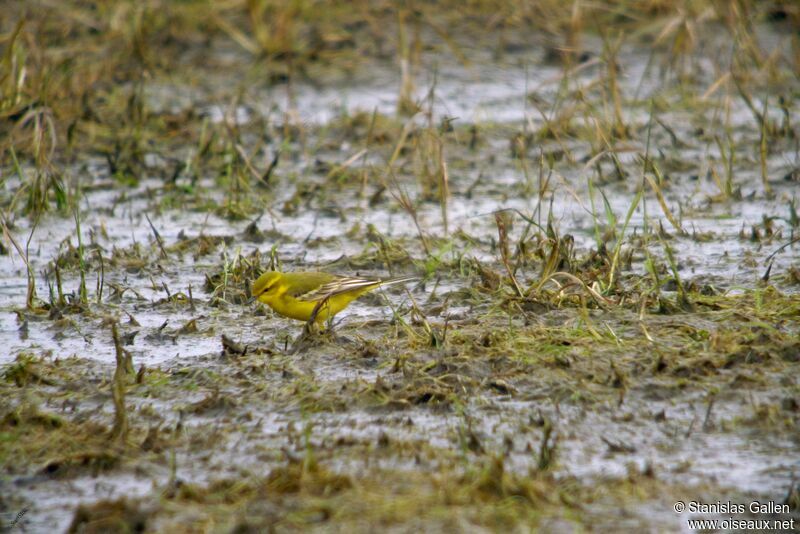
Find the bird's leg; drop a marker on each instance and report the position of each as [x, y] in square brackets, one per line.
[323, 303]
[308, 336]
[311, 329]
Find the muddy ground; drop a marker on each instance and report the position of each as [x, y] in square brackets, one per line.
[604, 223]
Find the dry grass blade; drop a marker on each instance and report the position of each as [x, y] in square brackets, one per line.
[237, 35]
[119, 432]
[663, 203]
[444, 188]
[551, 264]
[31, 293]
[602, 301]
[347, 163]
[716, 85]
[503, 221]
[402, 198]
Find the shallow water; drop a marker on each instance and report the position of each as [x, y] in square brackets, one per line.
[496, 97]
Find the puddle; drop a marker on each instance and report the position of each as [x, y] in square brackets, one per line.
[374, 400]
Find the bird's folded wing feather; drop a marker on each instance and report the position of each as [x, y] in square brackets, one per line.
[300, 283]
[336, 287]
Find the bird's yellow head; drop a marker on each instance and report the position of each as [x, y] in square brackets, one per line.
[266, 286]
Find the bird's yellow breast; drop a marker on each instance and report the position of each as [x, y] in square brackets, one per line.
[301, 310]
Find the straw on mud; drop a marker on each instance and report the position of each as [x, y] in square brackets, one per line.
[59, 287]
[661, 200]
[728, 159]
[82, 292]
[444, 187]
[405, 100]
[547, 447]
[119, 432]
[762, 152]
[31, 277]
[502, 220]
[401, 196]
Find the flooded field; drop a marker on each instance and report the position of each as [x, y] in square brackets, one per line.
[601, 213]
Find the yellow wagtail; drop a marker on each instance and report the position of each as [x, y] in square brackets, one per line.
[313, 295]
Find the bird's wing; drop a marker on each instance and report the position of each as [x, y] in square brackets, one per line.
[336, 286]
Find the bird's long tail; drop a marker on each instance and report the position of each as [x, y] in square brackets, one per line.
[398, 280]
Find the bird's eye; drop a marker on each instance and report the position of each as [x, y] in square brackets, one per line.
[270, 288]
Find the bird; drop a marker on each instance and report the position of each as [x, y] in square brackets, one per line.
[314, 296]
